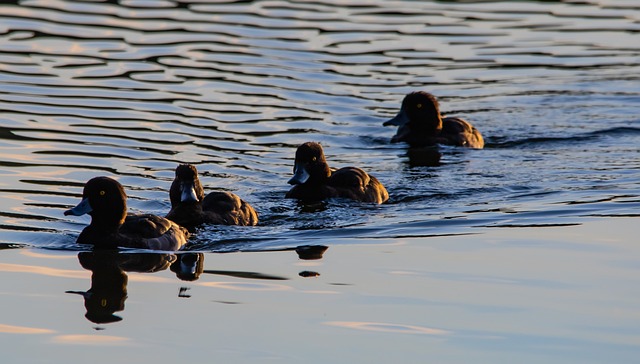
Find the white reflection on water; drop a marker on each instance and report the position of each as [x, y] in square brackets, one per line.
[47, 271]
[91, 340]
[243, 286]
[389, 328]
[10, 329]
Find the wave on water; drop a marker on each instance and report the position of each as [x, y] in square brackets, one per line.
[130, 91]
[496, 142]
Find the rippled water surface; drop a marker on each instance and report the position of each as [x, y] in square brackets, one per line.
[520, 252]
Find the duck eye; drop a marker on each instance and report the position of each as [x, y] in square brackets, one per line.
[419, 106]
[313, 159]
[102, 193]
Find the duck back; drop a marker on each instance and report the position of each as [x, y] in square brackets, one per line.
[356, 184]
[460, 132]
[228, 209]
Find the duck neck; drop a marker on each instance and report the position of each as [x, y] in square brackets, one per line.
[109, 221]
[430, 127]
[319, 175]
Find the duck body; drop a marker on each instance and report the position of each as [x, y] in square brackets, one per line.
[104, 199]
[314, 181]
[191, 208]
[420, 124]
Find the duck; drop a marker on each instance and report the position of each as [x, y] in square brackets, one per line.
[105, 200]
[314, 181]
[420, 124]
[191, 208]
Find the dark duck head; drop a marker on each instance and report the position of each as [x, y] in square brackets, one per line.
[310, 165]
[186, 186]
[104, 199]
[419, 116]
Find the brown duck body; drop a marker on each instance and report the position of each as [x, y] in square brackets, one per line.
[104, 200]
[313, 180]
[420, 124]
[191, 208]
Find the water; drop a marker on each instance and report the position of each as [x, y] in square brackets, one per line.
[521, 252]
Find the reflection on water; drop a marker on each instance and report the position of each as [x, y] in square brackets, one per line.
[392, 328]
[109, 279]
[188, 266]
[311, 252]
[10, 329]
[424, 157]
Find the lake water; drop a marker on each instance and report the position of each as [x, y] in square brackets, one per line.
[525, 251]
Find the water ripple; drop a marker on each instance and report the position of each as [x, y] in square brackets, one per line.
[131, 90]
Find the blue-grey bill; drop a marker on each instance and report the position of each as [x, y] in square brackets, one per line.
[398, 120]
[84, 207]
[300, 175]
[188, 194]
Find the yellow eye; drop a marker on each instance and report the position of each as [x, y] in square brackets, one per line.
[102, 193]
[419, 106]
[313, 159]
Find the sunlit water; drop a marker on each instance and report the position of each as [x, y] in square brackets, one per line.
[521, 252]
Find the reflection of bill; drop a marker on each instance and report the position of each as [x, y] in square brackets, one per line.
[109, 281]
[188, 266]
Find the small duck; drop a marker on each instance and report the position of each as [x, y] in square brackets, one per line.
[105, 200]
[314, 181]
[420, 124]
[190, 207]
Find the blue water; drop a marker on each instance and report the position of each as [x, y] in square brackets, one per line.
[130, 89]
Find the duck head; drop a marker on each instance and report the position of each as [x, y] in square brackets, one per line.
[310, 165]
[419, 115]
[186, 186]
[104, 199]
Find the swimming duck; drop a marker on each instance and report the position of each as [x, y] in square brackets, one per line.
[420, 124]
[190, 207]
[314, 181]
[105, 200]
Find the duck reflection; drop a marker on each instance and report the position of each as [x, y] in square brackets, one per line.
[188, 266]
[424, 156]
[312, 207]
[109, 278]
[109, 281]
[311, 252]
[305, 252]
